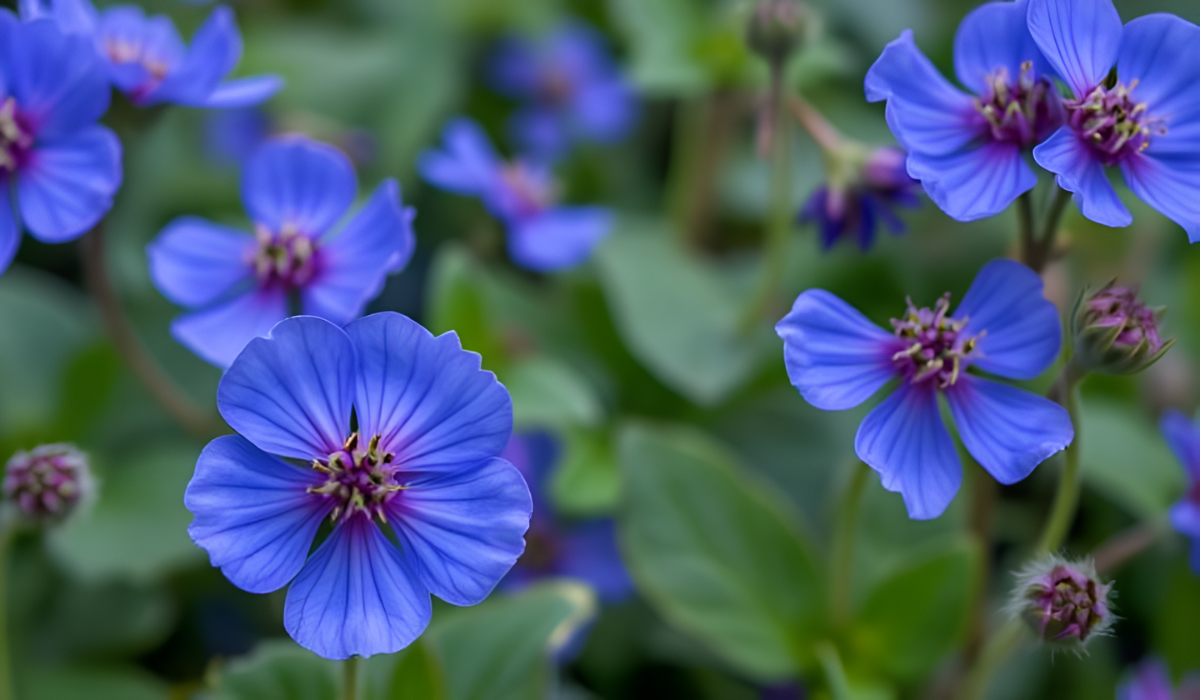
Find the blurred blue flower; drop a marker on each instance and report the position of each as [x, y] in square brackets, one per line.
[1183, 436]
[423, 460]
[541, 236]
[1004, 326]
[968, 150]
[571, 90]
[584, 550]
[295, 190]
[1152, 681]
[231, 136]
[59, 169]
[148, 61]
[853, 210]
[1145, 117]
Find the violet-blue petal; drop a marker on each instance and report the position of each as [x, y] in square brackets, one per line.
[428, 399]
[217, 334]
[1170, 184]
[541, 130]
[291, 392]
[904, 440]
[296, 181]
[10, 233]
[243, 92]
[604, 110]
[356, 596]
[1151, 681]
[976, 183]
[72, 16]
[215, 50]
[462, 531]
[466, 165]
[1009, 431]
[590, 554]
[559, 238]
[993, 36]
[253, 513]
[354, 263]
[1185, 517]
[835, 357]
[68, 184]
[194, 262]
[1183, 437]
[925, 112]
[1078, 170]
[1159, 52]
[1021, 331]
[55, 79]
[1080, 38]
[147, 40]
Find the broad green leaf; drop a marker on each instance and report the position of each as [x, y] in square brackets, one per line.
[279, 670]
[1124, 456]
[918, 615]
[717, 552]
[93, 683]
[588, 482]
[548, 394]
[458, 304]
[413, 672]
[112, 619]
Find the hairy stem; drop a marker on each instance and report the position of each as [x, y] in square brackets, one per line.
[842, 559]
[350, 679]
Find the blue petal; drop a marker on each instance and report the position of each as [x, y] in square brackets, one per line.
[993, 36]
[468, 165]
[1185, 518]
[973, 184]
[291, 392]
[590, 554]
[1194, 562]
[426, 397]
[69, 183]
[10, 233]
[1159, 52]
[194, 262]
[215, 50]
[1183, 437]
[904, 440]
[1079, 38]
[1009, 431]
[834, 355]
[559, 238]
[513, 68]
[147, 39]
[354, 264]
[356, 596]
[1081, 172]
[296, 181]
[254, 514]
[1022, 334]
[56, 80]
[244, 92]
[1151, 681]
[462, 532]
[541, 131]
[1170, 184]
[217, 334]
[925, 112]
[605, 110]
[71, 16]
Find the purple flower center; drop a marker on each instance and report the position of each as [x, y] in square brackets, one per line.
[16, 138]
[359, 480]
[1069, 604]
[1113, 124]
[46, 482]
[123, 52]
[1022, 112]
[555, 85]
[286, 258]
[935, 348]
[529, 192]
[1120, 307]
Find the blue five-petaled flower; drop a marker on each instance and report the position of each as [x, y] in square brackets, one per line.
[59, 169]
[542, 236]
[295, 190]
[1144, 117]
[1004, 326]
[423, 460]
[1183, 436]
[967, 150]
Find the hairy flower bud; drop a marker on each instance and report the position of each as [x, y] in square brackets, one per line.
[1064, 602]
[1115, 332]
[48, 483]
[776, 27]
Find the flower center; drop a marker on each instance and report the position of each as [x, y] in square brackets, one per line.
[1022, 112]
[287, 258]
[936, 348]
[1112, 123]
[15, 137]
[530, 192]
[556, 86]
[1070, 605]
[361, 480]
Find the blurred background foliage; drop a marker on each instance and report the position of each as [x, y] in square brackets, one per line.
[672, 414]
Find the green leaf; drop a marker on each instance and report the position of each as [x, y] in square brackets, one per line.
[548, 394]
[413, 672]
[107, 683]
[918, 615]
[662, 34]
[500, 649]
[1124, 456]
[589, 482]
[279, 670]
[458, 304]
[716, 552]
[112, 619]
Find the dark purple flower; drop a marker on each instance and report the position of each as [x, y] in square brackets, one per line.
[1144, 118]
[423, 460]
[1004, 326]
[1183, 436]
[295, 191]
[1065, 602]
[570, 89]
[59, 169]
[48, 483]
[968, 150]
[854, 210]
[1151, 680]
[541, 236]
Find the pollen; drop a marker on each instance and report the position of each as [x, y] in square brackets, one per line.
[359, 479]
[936, 349]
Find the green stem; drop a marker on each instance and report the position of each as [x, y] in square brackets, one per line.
[6, 680]
[1062, 513]
[984, 491]
[350, 679]
[1029, 244]
[1044, 246]
[779, 226]
[835, 674]
[993, 656]
[842, 559]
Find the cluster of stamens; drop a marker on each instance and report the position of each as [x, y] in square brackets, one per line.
[286, 258]
[1023, 112]
[1114, 124]
[15, 139]
[530, 192]
[1069, 604]
[360, 479]
[936, 349]
[125, 52]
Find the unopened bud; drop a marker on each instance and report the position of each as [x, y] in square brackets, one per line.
[1064, 602]
[776, 28]
[48, 483]
[1115, 332]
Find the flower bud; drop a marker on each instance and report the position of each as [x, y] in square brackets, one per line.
[776, 27]
[48, 483]
[1115, 332]
[1064, 602]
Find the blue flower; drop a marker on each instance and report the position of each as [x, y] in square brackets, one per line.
[59, 169]
[1144, 118]
[967, 150]
[295, 190]
[853, 211]
[1183, 436]
[584, 550]
[541, 236]
[1151, 680]
[571, 90]
[148, 61]
[423, 460]
[1004, 326]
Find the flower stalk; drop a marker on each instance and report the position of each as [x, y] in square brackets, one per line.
[842, 559]
[7, 692]
[350, 678]
[1066, 500]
